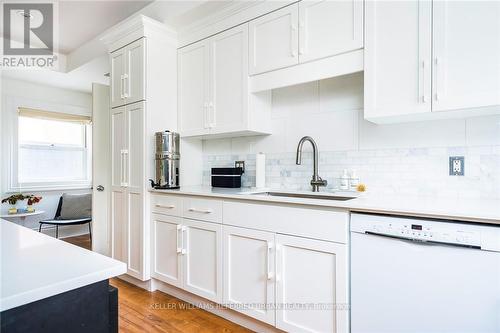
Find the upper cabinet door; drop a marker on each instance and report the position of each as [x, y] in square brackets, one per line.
[311, 272]
[329, 27]
[135, 79]
[229, 80]
[466, 64]
[118, 62]
[397, 58]
[193, 76]
[274, 40]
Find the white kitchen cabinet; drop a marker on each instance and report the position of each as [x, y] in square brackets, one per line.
[327, 28]
[249, 272]
[228, 106]
[128, 74]
[311, 272]
[397, 58]
[193, 71]
[167, 249]
[214, 100]
[202, 260]
[466, 54]
[117, 62]
[127, 213]
[426, 56]
[274, 40]
[143, 80]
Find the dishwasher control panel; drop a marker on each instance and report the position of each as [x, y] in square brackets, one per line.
[417, 229]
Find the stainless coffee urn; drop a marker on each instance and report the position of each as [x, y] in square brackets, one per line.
[167, 158]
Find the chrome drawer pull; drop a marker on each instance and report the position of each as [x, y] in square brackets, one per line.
[194, 210]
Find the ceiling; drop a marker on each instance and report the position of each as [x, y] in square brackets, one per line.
[79, 79]
[80, 21]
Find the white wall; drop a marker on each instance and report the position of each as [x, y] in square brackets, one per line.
[16, 93]
[331, 112]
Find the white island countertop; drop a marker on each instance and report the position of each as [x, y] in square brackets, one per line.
[467, 210]
[35, 266]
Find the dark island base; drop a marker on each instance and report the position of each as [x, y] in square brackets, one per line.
[93, 308]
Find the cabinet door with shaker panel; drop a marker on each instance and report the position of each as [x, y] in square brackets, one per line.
[127, 198]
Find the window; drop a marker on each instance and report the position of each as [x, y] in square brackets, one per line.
[53, 149]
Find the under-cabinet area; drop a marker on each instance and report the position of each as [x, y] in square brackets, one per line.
[282, 264]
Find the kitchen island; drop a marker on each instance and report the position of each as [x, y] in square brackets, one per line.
[48, 285]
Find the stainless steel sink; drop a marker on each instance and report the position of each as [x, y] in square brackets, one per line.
[315, 195]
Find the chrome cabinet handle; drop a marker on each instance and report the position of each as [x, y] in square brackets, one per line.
[178, 245]
[165, 206]
[183, 230]
[436, 94]
[100, 188]
[293, 30]
[268, 260]
[203, 211]
[211, 112]
[122, 96]
[424, 98]
[126, 86]
[124, 169]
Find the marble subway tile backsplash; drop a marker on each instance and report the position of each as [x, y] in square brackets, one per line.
[398, 171]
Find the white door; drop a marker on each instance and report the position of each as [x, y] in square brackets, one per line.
[329, 27]
[167, 249]
[118, 62]
[118, 186]
[203, 259]
[249, 272]
[193, 72]
[314, 276]
[135, 76]
[134, 163]
[229, 80]
[274, 40]
[397, 58]
[101, 169]
[466, 64]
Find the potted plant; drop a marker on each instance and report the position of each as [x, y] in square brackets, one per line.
[14, 198]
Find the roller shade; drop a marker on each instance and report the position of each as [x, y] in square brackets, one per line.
[49, 115]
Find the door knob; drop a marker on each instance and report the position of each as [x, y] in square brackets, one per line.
[100, 188]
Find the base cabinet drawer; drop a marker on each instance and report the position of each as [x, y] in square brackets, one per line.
[202, 209]
[325, 224]
[166, 204]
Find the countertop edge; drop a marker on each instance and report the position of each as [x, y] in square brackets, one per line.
[353, 205]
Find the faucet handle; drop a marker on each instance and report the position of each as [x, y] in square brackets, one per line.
[319, 182]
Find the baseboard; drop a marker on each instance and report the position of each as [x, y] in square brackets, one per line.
[231, 315]
[136, 282]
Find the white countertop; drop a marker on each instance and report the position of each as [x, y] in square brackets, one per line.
[35, 266]
[470, 210]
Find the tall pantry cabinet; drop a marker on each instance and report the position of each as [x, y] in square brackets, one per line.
[143, 93]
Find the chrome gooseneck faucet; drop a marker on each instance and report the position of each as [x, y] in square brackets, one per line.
[316, 180]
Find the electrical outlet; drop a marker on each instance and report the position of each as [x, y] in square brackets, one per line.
[240, 164]
[457, 165]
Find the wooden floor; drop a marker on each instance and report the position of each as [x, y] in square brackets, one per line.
[144, 311]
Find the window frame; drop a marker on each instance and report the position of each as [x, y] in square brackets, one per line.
[14, 185]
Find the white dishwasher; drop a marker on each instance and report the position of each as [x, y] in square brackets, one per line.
[420, 275]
